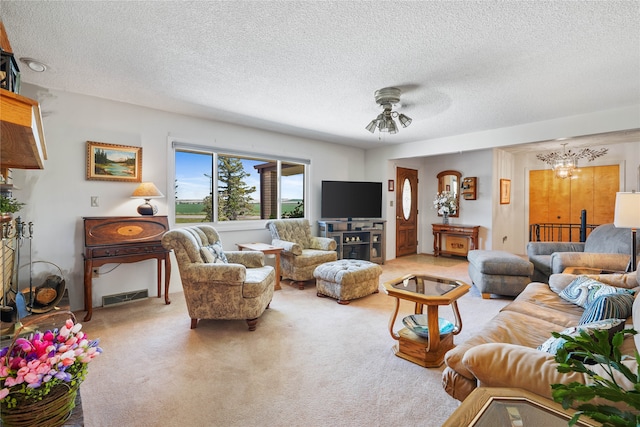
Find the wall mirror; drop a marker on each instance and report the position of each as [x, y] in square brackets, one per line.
[450, 181]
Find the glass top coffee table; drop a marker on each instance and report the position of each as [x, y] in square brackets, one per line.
[425, 349]
[490, 407]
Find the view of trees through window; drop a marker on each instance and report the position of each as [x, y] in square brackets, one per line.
[247, 188]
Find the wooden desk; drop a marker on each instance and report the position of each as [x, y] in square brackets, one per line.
[114, 240]
[267, 250]
[459, 239]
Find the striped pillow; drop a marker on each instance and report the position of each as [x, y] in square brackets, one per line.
[612, 306]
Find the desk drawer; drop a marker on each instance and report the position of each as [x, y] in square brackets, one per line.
[110, 251]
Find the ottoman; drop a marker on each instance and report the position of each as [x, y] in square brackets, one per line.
[499, 272]
[347, 279]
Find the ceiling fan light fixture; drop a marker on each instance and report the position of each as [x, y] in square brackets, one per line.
[387, 98]
[371, 127]
[404, 120]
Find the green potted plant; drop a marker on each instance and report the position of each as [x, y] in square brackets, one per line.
[8, 206]
[577, 355]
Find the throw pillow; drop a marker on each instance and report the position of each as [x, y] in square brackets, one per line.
[214, 253]
[552, 345]
[612, 306]
[584, 290]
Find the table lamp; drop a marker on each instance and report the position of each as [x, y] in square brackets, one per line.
[147, 191]
[627, 215]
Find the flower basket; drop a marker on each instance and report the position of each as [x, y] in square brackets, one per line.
[52, 411]
[40, 374]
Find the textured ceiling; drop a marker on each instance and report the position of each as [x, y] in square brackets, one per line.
[310, 68]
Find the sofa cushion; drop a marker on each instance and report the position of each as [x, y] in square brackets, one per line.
[607, 238]
[553, 344]
[612, 306]
[538, 301]
[506, 327]
[213, 253]
[583, 290]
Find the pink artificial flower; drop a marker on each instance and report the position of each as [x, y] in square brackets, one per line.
[32, 377]
[4, 393]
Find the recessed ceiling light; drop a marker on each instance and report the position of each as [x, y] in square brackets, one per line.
[34, 64]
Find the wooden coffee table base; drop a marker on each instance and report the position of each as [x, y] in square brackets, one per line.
[413, 348]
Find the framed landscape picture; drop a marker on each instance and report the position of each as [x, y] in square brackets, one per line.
[112, 162]
[505, 191]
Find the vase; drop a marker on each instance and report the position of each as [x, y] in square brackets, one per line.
[445, 218]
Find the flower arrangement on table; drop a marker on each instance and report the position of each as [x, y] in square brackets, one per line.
[32, 367]
[445, 203]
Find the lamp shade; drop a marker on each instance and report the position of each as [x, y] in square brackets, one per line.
[147, 190]
[627, 211]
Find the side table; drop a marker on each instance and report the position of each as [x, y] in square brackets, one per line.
[496, 406]
[433, 292]
[267, 250]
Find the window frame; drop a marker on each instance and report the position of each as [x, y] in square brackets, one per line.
[176, 145]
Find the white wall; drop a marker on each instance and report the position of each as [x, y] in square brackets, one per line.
[58, 196]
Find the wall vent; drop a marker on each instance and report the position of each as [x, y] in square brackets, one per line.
[124, 297]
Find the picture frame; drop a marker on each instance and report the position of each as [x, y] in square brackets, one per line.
[505, 191]
[391, 185]
[113, 162]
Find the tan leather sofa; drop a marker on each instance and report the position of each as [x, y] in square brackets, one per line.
[506, 353]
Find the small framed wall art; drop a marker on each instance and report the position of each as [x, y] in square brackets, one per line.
[505, 191]
[112, 162]
[391, 185]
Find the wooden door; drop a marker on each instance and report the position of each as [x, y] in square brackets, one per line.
[406, 212]
[561, 201]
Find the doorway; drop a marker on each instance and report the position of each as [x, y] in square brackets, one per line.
[406, 212]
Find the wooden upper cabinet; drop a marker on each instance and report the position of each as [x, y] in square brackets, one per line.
[22, 144]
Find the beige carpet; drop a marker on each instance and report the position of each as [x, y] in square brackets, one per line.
[311, 362]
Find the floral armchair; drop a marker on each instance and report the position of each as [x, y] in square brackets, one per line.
[219, 284]
[302, 252]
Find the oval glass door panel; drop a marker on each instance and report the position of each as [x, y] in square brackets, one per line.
[406, 199]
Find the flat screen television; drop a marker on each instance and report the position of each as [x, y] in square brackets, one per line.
[351, 199]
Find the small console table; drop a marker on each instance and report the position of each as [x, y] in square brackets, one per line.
[458, 239]
[113, 240]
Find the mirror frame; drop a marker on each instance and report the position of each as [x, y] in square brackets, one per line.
[441, 186]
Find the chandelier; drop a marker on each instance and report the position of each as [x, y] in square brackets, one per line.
[385, 122]
[563, 164]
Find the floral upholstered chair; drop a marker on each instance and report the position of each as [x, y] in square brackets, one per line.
[302, 252]
[219, 284]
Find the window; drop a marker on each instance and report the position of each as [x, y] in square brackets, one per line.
[247, 186]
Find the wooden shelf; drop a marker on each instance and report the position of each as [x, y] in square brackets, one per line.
[22, 143]
[367, 242]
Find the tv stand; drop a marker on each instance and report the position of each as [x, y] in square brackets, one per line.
[357, 238]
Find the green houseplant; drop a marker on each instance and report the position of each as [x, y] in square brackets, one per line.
[9, 205]
[581, 352]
